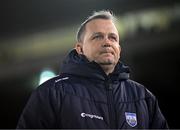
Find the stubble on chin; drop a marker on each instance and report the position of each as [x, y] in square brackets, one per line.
[106, 62]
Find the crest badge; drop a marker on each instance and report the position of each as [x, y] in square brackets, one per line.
[131, 118]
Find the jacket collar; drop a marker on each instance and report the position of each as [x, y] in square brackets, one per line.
[79, 65]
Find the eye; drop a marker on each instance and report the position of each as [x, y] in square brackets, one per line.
[113, 38]
[98, 37]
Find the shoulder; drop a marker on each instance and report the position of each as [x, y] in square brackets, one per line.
[51, 82]
[137, 91]
[50, 89]
[51, 85]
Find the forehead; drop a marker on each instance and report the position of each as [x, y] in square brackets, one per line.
[101, 25]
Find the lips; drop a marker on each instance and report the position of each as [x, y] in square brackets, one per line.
[107, 51]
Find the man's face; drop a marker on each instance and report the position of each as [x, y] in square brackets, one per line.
[101, 42]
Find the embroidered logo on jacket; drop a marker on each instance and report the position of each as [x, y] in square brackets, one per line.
[65, 78]
[131, 119]
[91, 116]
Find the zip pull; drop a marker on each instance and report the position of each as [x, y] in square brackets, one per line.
[110, 102]
[108, 84]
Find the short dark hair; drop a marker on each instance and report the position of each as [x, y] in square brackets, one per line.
[104, 14]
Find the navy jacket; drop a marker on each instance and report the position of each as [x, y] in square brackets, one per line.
[83, 96]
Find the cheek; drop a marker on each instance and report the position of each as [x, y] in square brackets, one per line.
[85, 50]
[88, 51]
[117, 50]
[90, 48]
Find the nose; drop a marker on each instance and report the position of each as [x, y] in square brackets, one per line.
[107, 42]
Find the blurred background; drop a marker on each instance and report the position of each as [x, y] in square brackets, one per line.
[36, 35]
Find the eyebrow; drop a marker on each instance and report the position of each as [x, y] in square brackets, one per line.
[100, 33]
[113, 34]
[97, 33]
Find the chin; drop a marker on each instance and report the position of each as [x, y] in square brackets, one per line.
[107, 62]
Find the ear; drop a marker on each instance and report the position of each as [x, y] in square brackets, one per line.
[79, 48]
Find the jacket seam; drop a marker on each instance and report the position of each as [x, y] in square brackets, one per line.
[85, 98]
[106, 102]
[136, 100]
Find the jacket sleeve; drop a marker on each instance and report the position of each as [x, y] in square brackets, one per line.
[41, 109]
[157, 120]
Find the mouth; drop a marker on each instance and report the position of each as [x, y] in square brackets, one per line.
[107, 52]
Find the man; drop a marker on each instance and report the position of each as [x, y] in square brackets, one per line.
[93, 90]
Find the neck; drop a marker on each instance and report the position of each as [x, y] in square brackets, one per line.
[108, 68]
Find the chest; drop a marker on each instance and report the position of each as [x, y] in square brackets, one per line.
[92, 106]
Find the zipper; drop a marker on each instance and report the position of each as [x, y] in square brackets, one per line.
[111, 107]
